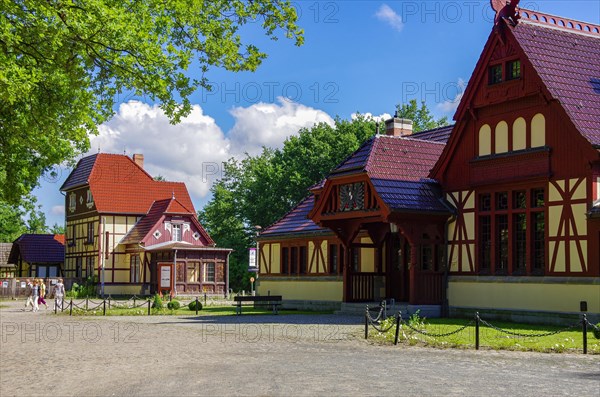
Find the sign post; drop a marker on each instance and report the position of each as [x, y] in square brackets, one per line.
[252, 285]
[165, 273]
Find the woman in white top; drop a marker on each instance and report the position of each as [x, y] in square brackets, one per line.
[59, 293]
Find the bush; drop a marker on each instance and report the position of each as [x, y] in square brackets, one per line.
[158, 303]
[596, 331]
[192, 305]
[86, 290]
[173, 305]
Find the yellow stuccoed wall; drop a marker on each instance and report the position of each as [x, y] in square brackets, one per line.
[303, 290]
[524, 296]
[367, 257]
[122, 289]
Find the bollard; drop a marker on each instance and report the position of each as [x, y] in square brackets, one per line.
[104, 307]
[148, 306]
[55, 306]
[397, 327]
[477, 331]
[86, 303]
[197, 304]
[134, 301]
[108, 302]
[584, 329]
[204, 299]
[71, 307]
[367, 323]
[62, 305]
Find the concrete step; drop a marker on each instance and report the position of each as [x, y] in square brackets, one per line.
[358, 309]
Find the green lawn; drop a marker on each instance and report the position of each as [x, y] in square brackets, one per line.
[489, 338]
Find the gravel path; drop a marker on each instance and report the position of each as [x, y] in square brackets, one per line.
[258, 355]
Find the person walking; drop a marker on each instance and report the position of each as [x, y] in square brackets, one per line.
[59, 292]
[41, 299]
[35, 294]
[28, 294]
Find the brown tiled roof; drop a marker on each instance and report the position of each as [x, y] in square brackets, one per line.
[120, 186]
[568, 62]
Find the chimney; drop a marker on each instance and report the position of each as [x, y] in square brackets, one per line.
[398, 127]
[139, 160]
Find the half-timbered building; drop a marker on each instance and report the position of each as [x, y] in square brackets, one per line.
[503, 214]
[136, 235]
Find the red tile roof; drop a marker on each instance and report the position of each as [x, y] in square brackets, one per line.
[120, 186]
[568, 62]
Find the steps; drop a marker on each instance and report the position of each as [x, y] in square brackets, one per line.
[358, 308]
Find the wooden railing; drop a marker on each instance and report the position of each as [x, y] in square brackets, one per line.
[362, 287]
[429, 288]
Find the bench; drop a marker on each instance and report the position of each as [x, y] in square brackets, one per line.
[273, 301]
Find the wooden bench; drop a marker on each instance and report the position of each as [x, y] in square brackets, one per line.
[273, 301]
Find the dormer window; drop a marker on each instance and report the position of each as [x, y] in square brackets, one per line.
[176, 232]
[495, 74]
[513, 70]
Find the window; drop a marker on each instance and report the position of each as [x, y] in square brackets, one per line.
[135, 268]
[90, 200]
[72, 202]
[303, 262]
[285, 259]
[495, 74]
[89, 266]
[513, 70]
[333, 258]
[209, 276]
[78, 267]
[356, 259]
[511, 232]
[72, 236]
[193, 272]
[427, 257]
[90, 233]
[294, 260]
[176, 232]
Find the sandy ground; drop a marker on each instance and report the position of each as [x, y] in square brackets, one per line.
[45, 354]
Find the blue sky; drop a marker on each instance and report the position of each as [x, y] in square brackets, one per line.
[358, 56]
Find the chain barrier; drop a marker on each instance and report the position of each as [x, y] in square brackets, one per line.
[532, 335]
[422, 332]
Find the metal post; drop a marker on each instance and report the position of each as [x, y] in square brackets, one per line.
[204, 299]
[62, 305]
[134, 301]
[108, 302]
[477, 331]
[104, 307]
[86, 303]
[584, 329]
[71, 307]
[197, 303]
[55, 306]
[367, 323]
[148, 306]
[398, 320]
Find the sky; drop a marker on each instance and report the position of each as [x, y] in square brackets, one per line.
[358, 57]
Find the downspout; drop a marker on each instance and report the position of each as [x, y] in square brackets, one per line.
[62, 270]
[174, 293]
[227, 275]
[101, 226]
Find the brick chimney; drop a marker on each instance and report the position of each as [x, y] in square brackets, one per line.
[139, 160]
[398, 127]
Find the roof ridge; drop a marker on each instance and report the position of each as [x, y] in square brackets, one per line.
[558, 22]
[408, 137]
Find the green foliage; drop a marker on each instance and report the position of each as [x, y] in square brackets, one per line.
[12, 219]
[192, 305]
[66, 64]
[157, 302]
[57, 229]
[422, 119]
[85, 290]
[596, 331]
[416, 321]
[173, 305]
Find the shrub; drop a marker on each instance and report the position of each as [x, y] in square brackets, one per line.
[192, 305]
[173, 305]
[158, 303]
[597, 331]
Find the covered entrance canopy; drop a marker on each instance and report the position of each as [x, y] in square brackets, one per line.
[383, 190]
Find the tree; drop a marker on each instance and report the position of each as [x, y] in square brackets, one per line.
[12, 219]
[422, 119]
[57, 229]
[66, 63]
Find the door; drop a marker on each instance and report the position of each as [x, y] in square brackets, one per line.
[397, 256]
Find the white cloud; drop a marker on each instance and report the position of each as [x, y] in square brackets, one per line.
[193, 150]
[269, 124]
[57, 210]
[381, 118]
[389, 16]
[450, 105]
[188, 152]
